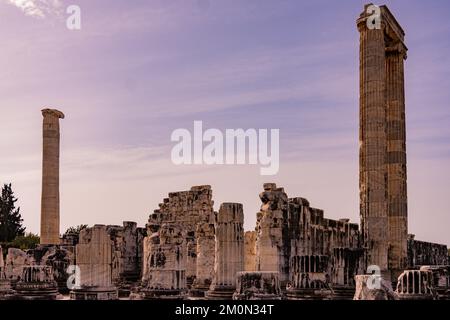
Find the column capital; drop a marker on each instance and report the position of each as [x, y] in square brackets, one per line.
[52, 112]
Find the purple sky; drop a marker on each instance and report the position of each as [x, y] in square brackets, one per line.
[137, 70]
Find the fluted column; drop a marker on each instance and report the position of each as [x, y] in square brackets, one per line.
[50, 177]
[94, 255]
[372, 136]
[229, 250]
[396, 157]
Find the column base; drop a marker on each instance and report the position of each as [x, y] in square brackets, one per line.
[343, 292]
[308, 294]
[163, 294]
[220, 293]
[6, 292]
[95, 293]
[36, 291]
[198, 291]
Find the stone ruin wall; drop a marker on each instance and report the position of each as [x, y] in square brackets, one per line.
[57, 257]
[167, 261]
[421, 253]
[303, 246]
[292, 241]
[324, 245]
[205, 235]
[272, 233]
[187, 208]
[128, 252]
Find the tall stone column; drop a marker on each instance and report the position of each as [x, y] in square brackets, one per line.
[372, 138]
[396, 158]
[229, 250]
[383, 195]
[50, 177]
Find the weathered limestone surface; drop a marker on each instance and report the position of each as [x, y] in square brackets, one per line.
[416, 285]
[205, 258]
[426, 253]
[58, 258]
[313, 254]
[16, 259]
[94, 257]
[323, 245]
[127, 257]
[441, 280]
[229, 250]
[272, 235]
[6, 291]
[167, 263]
[36, 283]
[310, 278]
[382, 292]
[250, 251]
[186, 208]
[50, 177]
[258, 285]
[383, 194]
[37, 274]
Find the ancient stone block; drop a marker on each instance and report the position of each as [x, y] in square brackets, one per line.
[373, 292]
[56, 257]
[422, 253]
[272, 235]
[205, 234]
[441, 280]
[257, 285]
[250, 251]
[6, 291]
[94, 257]
[317, 257]
[59, 259]
[36, 283]
[416, 285]
[186, 208]
[167, 264]
[127, 255]
[2, 261]
[16, 259]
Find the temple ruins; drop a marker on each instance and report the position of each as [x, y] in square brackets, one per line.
[187, 250]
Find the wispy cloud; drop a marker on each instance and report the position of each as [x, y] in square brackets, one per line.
[37, 8]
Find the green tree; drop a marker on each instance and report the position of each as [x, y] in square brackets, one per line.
[10, 218]
[25, 242]
[75, 230]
